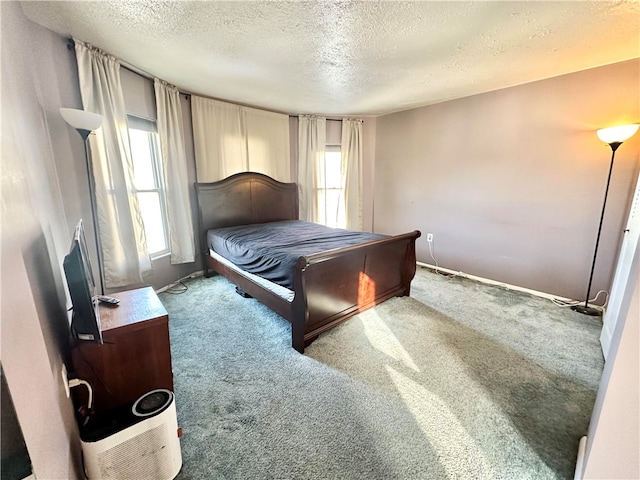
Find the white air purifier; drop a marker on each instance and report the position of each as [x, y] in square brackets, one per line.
[138, 441]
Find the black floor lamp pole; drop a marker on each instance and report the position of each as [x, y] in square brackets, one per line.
[84, 123]
[586, 309]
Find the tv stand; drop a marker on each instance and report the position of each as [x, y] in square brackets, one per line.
[135, 357]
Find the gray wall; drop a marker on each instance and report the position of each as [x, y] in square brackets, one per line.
[38, 155]
[511, 182]
[44, 193]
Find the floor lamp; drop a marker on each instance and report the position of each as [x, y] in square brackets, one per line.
[85, 123]
[614, 136]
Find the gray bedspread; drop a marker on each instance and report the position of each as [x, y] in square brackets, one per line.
[271, 250]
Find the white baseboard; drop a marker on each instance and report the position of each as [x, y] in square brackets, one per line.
[496, 283]
[605, 339]
[476, 278]
[199, 273]
[579, 473]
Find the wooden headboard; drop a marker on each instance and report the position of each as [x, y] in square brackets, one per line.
[245, 198]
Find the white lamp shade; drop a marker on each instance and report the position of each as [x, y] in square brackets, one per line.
[81, 119]
[617, 134]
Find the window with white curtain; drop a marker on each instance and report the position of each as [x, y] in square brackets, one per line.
[148, 183]
[330, 189]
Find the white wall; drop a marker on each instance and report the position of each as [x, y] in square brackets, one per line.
[613, 441]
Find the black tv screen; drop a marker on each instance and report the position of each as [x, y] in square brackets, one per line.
[85, 323]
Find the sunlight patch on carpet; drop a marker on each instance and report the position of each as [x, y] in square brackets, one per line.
[456, 450]
[382, 339]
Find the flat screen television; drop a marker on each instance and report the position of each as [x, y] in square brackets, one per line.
[85, 323]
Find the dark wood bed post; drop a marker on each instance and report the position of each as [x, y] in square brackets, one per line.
[299, 308]
[410, 266]
[204, 250]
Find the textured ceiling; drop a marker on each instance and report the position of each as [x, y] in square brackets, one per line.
[364, 58]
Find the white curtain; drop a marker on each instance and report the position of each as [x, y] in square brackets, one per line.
[219, 139]
[229, 139]
[312, 133]
[124, 245]
[174, 167]
[268, 143]
[351, 151]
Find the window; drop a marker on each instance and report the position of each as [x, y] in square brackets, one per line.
[330, 194]
[148, 183]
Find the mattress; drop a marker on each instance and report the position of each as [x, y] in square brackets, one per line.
[278, 290]
[271, 250]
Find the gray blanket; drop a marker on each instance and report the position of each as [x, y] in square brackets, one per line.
[271, 250]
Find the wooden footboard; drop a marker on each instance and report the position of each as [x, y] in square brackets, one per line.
[333, 286]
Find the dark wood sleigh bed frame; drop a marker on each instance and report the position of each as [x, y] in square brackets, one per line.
[329, 287]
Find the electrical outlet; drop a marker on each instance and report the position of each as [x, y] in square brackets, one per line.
[65, 380]
[429, 237]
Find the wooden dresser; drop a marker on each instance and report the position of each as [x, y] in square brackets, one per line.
[135, 357]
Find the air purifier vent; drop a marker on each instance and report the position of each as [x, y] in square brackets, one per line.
[126, 456]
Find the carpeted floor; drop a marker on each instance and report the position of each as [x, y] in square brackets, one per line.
[460, 380]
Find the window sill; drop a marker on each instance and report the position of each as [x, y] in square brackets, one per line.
[159, 255]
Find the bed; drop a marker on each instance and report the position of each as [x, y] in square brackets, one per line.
[326, 288]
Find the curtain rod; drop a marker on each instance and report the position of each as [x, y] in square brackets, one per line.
[143, 73]
[71, 45]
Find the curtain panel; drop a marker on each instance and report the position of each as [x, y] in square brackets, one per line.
[230, 139]
[268, 146]
[352, 172]
[122, 236]
[312, 134]
[219, 139]
[174, 168]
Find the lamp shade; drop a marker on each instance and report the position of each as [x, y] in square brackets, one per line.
[81, 119]
[617, 134]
